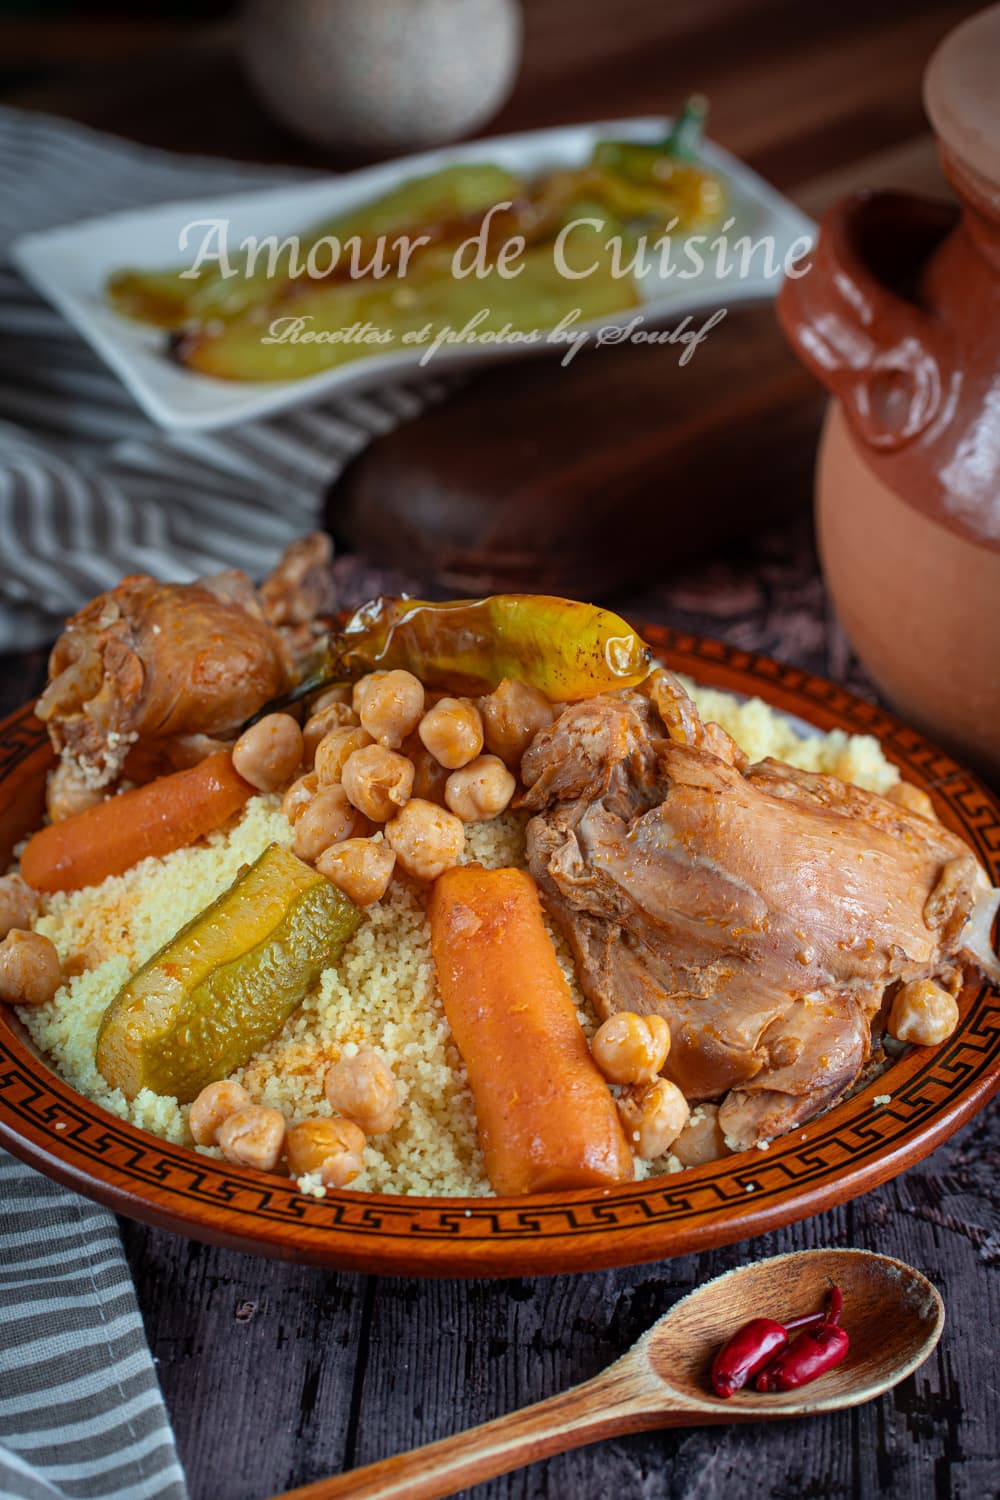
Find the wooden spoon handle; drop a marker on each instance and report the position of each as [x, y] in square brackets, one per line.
[617, 1401]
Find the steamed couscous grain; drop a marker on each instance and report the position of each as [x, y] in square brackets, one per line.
[761, 732]
[382, 992]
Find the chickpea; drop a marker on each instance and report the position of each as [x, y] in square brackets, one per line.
[341, 692]
[18, 904]
[453, 732]
[391, 708]
[426, 839]
[512, 715]
[320, 722]
[361, 868]
[631, 1049]
[905, 794]
[924, 1013]
[334, 1148]
[212, 1107]
[335, 748]
[480, 790]
[429, 775]
[269, 752]
[653, 1116]
[362, 688]
[299, 796]
[253, 1136]
[378, 781]
[327, 819]
[362, 1089]
[30, 972]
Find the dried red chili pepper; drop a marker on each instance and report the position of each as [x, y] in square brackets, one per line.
[751, 1348]
[811, 1354]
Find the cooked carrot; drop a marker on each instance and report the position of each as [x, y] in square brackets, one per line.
[154, 819]
[546, 1118]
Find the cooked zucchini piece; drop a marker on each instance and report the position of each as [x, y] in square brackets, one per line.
[227, 982]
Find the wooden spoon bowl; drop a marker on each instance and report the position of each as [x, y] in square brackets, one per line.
[894, 1317]
[892, 1314]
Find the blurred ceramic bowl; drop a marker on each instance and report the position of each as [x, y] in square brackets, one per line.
[382, 75]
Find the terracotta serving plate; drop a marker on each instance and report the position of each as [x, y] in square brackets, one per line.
[844, 1153]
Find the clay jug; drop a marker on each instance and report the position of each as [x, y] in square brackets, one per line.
[899, 316]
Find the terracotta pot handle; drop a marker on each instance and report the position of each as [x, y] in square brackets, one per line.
[878, 352]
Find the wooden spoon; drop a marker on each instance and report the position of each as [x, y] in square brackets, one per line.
[894, 1317]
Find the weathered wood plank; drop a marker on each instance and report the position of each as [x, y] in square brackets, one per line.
[264, 1402]
[257, 1360]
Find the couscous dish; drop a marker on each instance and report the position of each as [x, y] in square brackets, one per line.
[531, 932]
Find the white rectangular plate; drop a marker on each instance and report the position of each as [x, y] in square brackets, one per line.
[70, 267]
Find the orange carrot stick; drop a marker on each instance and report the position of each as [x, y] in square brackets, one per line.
[546, 1118]
[154, 819]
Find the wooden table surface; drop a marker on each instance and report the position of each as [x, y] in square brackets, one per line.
[276, 1374]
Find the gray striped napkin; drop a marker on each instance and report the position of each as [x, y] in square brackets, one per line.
[90, 489]
[80, 1409]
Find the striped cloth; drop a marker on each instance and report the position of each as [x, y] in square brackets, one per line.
[90, 489]
[80, 1409]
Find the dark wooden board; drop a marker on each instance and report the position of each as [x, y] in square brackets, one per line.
[593, 477]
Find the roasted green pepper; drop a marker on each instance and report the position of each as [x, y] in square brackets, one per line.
[424, 205]
[226, 984]
[662, 181]
[565, 649]
[317, 326]
[652, 161]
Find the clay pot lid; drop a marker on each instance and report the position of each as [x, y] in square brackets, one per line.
[962, 96]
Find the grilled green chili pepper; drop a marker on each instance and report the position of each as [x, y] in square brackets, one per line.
[348, 320]
[565, 649]
[648, 161]
[421, 205]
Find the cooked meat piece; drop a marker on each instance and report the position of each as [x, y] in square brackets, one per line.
[157, 674]
[298, 596]
[301, 587]
[151, 663]
[761, 910]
